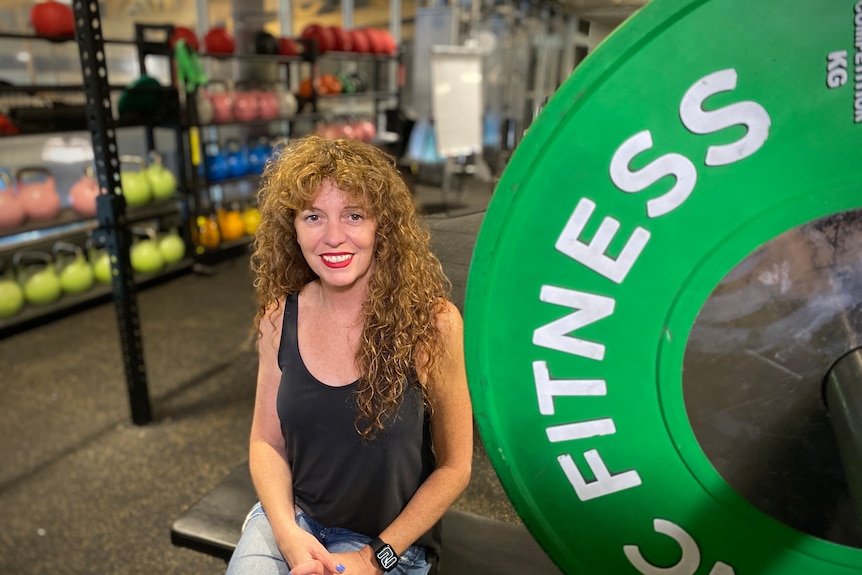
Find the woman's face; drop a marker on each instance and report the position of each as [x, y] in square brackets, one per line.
[337, 238]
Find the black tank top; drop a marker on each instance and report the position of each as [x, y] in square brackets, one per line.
[339, 478]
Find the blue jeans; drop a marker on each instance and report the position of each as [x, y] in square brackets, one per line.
[257, 553]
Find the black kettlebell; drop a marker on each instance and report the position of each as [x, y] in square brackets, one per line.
[265, 43]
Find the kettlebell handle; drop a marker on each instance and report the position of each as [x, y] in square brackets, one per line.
[136, 160]
[32, 170]
[147, 232]
[30, 257]
[8, 182]
[66, 247]
[154, 157]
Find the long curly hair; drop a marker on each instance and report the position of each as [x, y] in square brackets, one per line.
[407, 289]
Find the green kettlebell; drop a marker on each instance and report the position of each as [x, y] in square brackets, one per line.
[37, 277]
[172, 247]
[145, 255]
[162, 181]
[100, 260]
[134, 183]
[11, 296]
[73, 268]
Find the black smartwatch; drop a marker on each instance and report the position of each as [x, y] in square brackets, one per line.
[385, 555]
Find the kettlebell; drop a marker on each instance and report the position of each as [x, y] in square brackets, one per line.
[204, 108]
[258, 153]
[207, 232]
[172, 247]
[230, 223]
[216, 163]
[144, 254]
[162, 181]
[245, 102]
[288, 106]
[37, 277]
[11, 294]
[100, 260]
[84, 193]
[265, 43]
[251, 219]
[12, 212]
[237, 158]
[134, 182]
[38, 193]
[73, 268]
[221, 98]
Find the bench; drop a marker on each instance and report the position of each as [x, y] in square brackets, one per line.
[472, 544]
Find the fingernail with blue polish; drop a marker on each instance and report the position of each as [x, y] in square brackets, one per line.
[339, 568]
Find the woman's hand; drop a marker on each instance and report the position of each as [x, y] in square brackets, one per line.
[353, 563]
[306, 556]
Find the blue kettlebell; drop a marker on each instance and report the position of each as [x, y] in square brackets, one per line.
[237, 159]
[258, 154]
[217, 167]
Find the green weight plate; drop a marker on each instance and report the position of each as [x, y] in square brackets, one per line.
[699, 134]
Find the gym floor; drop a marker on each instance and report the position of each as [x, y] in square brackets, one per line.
[83, 490]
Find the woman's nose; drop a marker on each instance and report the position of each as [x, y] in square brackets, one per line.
[334, 233]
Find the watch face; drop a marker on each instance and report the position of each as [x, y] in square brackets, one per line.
[386, 557]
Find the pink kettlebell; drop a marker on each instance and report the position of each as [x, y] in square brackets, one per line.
[84, 193]
[222, 101]
[268, 104]
[12, 212]
[38, 193]
[245, 102]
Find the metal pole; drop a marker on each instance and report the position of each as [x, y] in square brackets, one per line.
[285, 17]
[110, 207]
[843, 392]
[347, 14]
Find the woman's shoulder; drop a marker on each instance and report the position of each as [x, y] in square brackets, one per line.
[449, 320]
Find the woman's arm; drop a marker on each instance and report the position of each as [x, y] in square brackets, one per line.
[268, 464]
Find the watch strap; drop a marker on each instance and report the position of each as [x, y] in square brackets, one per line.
[385, 555]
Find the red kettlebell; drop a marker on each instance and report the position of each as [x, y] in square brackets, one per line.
[359, 41]
[219, 41]
[53, 19]
[342, 40]
[320, 34]
[12, 212]
[187, 34]
[287, 47]
[84, 193]
[38, 196]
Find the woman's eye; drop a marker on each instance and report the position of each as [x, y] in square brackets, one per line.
[355, 217]
[311, 218]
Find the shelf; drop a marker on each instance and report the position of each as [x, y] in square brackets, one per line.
[259, 121]
[153, 210]
[70, 303]
[37, 232]
[226, 250]
[261, 58]
[332, 55]
[19, 36]
[357, 95]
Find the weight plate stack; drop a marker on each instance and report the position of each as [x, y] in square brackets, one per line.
[670, 264]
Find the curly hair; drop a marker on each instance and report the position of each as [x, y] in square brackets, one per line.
[407, 289]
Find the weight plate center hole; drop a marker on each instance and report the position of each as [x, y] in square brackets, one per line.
[753, 373]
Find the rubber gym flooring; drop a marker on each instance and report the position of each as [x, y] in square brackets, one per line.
[83, 490]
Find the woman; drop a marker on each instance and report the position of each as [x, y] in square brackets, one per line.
[362, 429]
